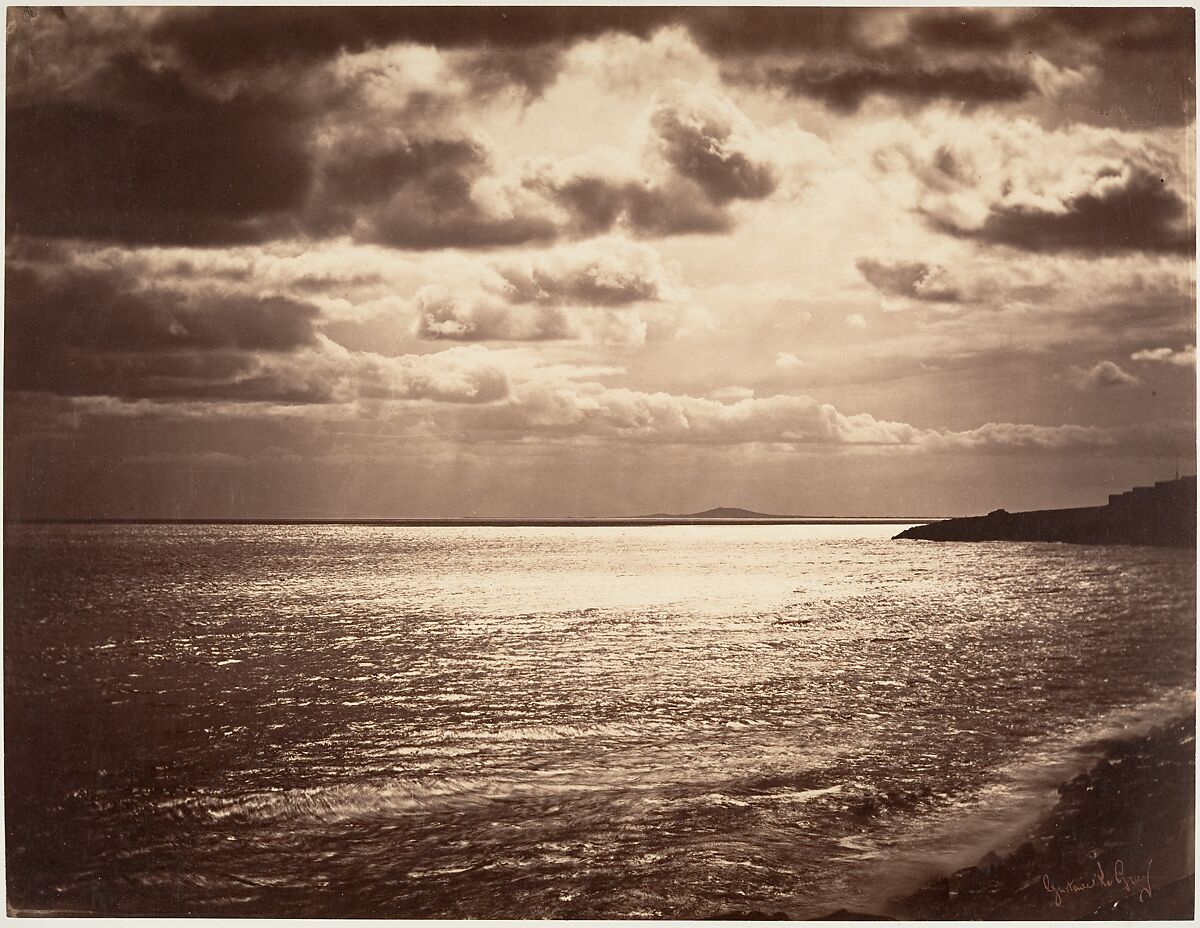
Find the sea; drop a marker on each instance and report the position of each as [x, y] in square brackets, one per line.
[662, 721]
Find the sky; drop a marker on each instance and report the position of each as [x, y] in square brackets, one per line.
[570, 262]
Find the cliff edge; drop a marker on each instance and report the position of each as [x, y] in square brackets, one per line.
[1163, 515]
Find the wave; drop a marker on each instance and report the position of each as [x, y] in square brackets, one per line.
[998, 816]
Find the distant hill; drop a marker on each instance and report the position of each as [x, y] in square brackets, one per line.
[721, 512]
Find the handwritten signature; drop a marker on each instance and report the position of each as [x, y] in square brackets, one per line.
[1130, 882]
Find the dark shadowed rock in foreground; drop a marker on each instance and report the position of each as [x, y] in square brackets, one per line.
[1118, 845]
[1164, 515]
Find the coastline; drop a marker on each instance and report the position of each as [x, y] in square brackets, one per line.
[1119, 844]
[1162, 515]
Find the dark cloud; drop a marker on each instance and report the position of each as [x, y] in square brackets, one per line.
[360, 175]
[165, 165]
[971, 30]
[224, 39]
[1143, 59]
[492, 70]
[844, 87]
[699, 149]
[1141, 214]
[705, 169]
[1130, 30]
[219, 40]
[916, 280]
[79, 333]
[674, 209]
[415, 194]
[1140, 63]
[445, 216]
[598, 203]
[734, 31]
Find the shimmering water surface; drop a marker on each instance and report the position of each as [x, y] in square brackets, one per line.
[567, 722]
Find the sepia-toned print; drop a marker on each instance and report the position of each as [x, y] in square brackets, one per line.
[564, 462]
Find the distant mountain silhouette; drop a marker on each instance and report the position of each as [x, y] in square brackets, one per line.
[721, 512]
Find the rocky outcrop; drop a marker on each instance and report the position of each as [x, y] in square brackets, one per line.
[1164, 515]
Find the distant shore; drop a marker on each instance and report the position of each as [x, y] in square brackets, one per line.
[1163, 515]
[497, 523]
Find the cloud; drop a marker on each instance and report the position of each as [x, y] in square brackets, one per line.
[602, 272]
[238, 38]
[167, 164]
[1184, 357]
[444, 313]
[1012, 436]
[960, 29]
[785, 360]
[708, 157]
[189, 133]
[914, 280]
[844, 87]
[1103, 375]
[85, 333]
[1131, 212]
[147, 153]
[66, 329]
[857, 321]
[553, 408]
[391, 188]
[579, 291]
[660, 417]
[1132, 66]
[706, 139]
[732, 393]
[1016, 184]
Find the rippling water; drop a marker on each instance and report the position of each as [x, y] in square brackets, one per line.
[567, 722]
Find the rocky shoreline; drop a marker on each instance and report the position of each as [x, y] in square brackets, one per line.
[1162, 515]
[1118, 845]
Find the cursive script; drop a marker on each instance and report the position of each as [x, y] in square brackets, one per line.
[1131, 883]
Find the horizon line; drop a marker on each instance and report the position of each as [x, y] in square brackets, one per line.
[599, 521]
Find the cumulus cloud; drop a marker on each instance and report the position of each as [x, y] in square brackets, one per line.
[160, 145]
[857, 321]
[662, 417]
[583, 291]
[1183, 357]
[78, 333]
[914, 280]
[555, 408]
[602, 272]
[785, 361]
[481, 316]
[702, 155]
[1132, 211]
[706, 139]
[1022, 437]
[705, 156]
[1016, 184]
[1103, 375]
